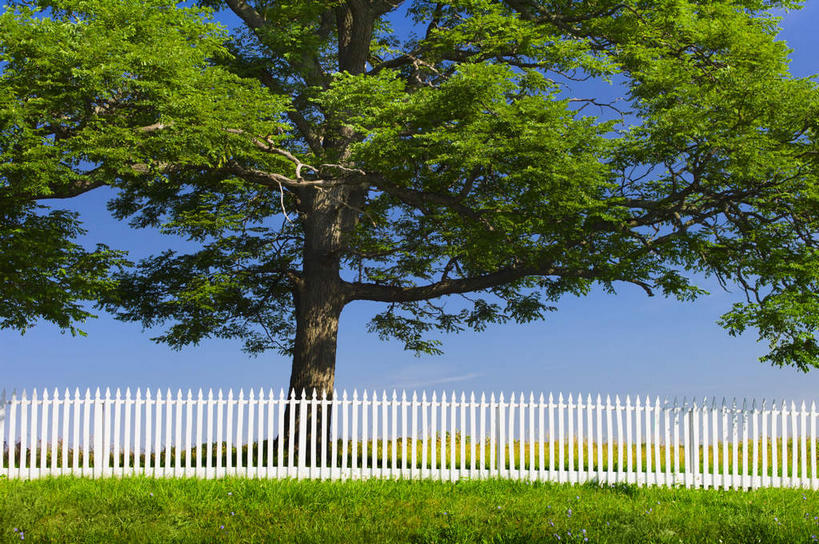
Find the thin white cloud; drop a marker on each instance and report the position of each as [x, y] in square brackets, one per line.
[449, 379]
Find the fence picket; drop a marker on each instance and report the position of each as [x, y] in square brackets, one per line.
[364, 421]
[814, 480]
[804, 446]
[570, 421]
[581, 436]
[620, 454]
[552, 475]
[667, 441]
[561, 474]
[629, 459]
[610, 443]
[148, 430]
[251, 420]
[208, 436]
[794, 447]
[483, 407]
[324, 414]
[44, 429]
[118, 470]
[354, 434]
[32, 449]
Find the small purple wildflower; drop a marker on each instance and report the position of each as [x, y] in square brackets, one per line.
[233, 513]
[569, 533]
[570, 511]
[16, 530]
[586, 539]
[151, 494]
[552, 523]
[584, 531]
[804, 498]
[221, 526]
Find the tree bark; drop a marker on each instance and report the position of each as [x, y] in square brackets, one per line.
[319, 296]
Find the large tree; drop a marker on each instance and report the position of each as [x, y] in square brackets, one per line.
[316, 157]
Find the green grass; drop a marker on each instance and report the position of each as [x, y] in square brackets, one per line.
[374, 511]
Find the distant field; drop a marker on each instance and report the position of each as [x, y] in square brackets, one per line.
[375, 511]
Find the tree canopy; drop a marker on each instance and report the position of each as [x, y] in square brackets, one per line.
[318, 155]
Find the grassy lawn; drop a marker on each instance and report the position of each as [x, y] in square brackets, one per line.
[241, 510]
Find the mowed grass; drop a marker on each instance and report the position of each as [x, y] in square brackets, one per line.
[494, 511]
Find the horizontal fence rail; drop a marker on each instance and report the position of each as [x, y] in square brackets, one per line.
[571, 439]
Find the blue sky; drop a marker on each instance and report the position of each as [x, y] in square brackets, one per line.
[610, 344]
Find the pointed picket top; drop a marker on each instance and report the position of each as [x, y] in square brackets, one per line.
[753, 405]
[148, 393]
[762, 405]
[571, 399]
[87, 393]
[403, 395]
[512, 398]
[323, 393]
[492, 397]
[355, 395]
[463, 397]
[434, 396]
[452, 398]
[637, 402]
[230, 394]
[365, 397]
[443, 397]
[540, 401]
[424, 397]
[813, 406]
[744, 404]
[34, 395]
[472, 398]
[67, 394]
[560, 399]
[551, 398]
[500, 398]
[793, 406]
[117, 395]
[315, 395]
[657, 402]
[292, 393]
[303, 394]
[210, 394]
[107, 393]
[252, 396]
[415, 396]
[344, 395]
[281, 394]
[628, 401]
[608, 401]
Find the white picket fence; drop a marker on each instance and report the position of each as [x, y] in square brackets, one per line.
[445, 438]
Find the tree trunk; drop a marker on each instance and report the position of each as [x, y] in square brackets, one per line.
[319, 299]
